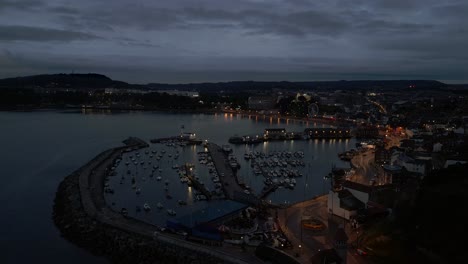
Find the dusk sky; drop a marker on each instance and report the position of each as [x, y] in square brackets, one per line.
[180, 41]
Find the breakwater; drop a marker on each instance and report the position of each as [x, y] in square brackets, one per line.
[82, 216]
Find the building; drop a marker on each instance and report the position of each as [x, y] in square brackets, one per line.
[381, 155]
[327, 132]
[399, 105]
[188, 135]
[261, 102]
[465, 125]
[343, 203]
[360, 191]
[367, 131]
[454, 162]
[416, 165]
[274, 133]
[180, 93]
[397, 176]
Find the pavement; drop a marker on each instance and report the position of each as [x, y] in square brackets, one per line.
[366, 169]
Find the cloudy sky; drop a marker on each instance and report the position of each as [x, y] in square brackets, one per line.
[179, 41]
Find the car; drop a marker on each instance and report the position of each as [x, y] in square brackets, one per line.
[313, 224]
[156, 234]
[183, 233]
[361, 252]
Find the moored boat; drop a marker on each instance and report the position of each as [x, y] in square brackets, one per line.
[171, 212]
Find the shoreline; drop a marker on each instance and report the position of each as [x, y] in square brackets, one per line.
[245, 113]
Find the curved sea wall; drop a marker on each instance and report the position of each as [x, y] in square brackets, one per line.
[83, 219]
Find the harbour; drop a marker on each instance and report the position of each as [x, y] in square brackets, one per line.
[111, 129]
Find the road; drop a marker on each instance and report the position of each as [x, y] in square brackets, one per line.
[364, 167]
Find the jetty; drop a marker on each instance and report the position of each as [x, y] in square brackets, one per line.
[227, 175]
[267, 190]
[195, 183]
[231, 186]
[177, 139]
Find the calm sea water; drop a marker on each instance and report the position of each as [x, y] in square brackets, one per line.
[40, 148]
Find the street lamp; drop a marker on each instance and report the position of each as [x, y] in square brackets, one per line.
[357, 240]
[300, 249]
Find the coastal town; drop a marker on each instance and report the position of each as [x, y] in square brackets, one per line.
[405, 143]
[236, 132]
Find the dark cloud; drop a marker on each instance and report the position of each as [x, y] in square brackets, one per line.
[375, 26]
[398, 4]
[64, 10]
[26, 33]
[451, 11]
[20, 5]
[359, 38]
[429, 48]
[296, 23]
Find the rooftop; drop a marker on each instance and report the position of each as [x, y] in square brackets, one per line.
[357, 186]
[348, 201]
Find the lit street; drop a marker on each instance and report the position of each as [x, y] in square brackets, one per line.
[365, 168]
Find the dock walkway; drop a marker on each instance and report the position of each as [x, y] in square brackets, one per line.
[196, 184]
[226, 175]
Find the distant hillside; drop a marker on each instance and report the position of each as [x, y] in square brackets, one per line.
[98, 81]
[85, 81]
[241, 86]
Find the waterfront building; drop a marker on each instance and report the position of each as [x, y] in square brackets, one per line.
[367, 131]
[361, 191]
[328, 132]
[274, 133]
[343, 203]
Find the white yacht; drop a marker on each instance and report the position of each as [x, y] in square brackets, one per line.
[171, 212]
